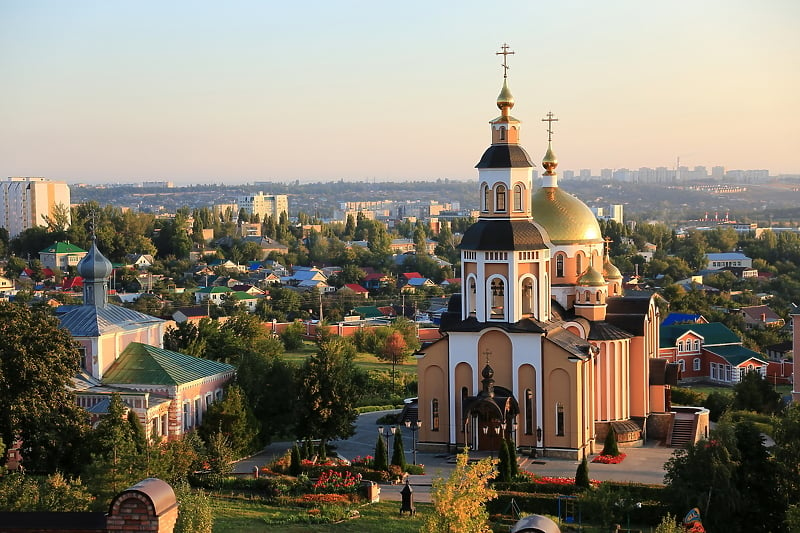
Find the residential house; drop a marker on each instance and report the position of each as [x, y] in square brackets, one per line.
[415, 284]
[709, 352]
[761, 316]
[140, 261]
[6, 288]
[717, 261]
[682, 318]
[61, 256]
[192, 314]
[354, 288]
[377, 280]
[268, 245]
[215, 295]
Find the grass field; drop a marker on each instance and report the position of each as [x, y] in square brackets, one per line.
[364, 360]
[243, 516]
[707, 388]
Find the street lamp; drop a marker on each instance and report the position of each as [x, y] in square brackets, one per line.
[414, 428]
[386, 433]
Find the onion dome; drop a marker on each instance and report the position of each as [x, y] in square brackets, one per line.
[566, 219]
[591, 278]
[610, 271]
[550, 161]
[94, 265]
[505, 100]
[487, 372]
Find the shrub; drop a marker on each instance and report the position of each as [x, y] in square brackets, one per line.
[381, 459]
[610, 445]
[294, 466]
[685, 396]
[194, 511]
[582, 474]
[717, 403]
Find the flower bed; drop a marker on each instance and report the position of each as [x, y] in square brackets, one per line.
[331, 481]
[609, 459]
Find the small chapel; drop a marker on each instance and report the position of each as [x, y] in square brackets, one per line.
[541, 347]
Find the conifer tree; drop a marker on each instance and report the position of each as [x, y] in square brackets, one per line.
[294, 465]
[582, 474]
[610, 444]
[398, 453]
[381, 462]
[504, 465]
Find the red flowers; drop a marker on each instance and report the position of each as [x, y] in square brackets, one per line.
[335, 482]
[545, 480]
[609, 459]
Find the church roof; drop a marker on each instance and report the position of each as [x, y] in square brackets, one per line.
[628, 313]
[144, 364]
[91, 321]
[451, 321]
[570, 342]
[503, 235]
[603, 331]
[505, 156]
[566, 219]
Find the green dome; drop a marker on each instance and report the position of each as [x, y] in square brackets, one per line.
[591, 278]
[566, 219]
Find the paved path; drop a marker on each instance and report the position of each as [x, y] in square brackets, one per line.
[642, 465]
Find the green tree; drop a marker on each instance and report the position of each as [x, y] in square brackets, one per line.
[754, 393]
[38, 360]
[504, 462]
[460, 500]
[294, 464]
[327, 393]
[56, 493]
[610, 446]
[398, 453]
[582, 474]
[381, 455]
[232, 417]
[195, 514]
[292, 336]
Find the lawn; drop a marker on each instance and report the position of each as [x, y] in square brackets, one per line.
[232, 515]
[364, 360]
[707, 388]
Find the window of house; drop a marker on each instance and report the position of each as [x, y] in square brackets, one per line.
[198, 412]
[680, 346]
[696, 364]
[682, 365]
[435, 414]
[154, 425]
[501, 198]
[187, 416]
[713, 370]
[82, 351]
[517, 197]
[728, 373]
[560, 266]
[559, 420]
[696, 345]
[528, 412]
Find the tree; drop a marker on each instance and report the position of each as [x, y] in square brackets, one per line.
[460, 500]
[582, 474]
[394, 350]
[195, 514]
[381, 455]
[754, 393]
[294, 464]
[610, 446]
[398, 454]
[504, 462]
[327, 392]
[38, 360]
[269, 383]
[56, 493]
[232, 417]
[292, 336]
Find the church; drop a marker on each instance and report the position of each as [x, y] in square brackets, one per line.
[541, 346]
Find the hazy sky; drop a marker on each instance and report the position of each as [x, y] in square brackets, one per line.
[235, 91]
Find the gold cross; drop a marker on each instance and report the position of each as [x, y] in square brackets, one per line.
[487, 353]
[505, 53]
[549, 121]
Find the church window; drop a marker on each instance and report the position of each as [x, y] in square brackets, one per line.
[486, 197]
[501, 198]
[463, 402]
[528, 412]
[578, 264]
[517, 197]
[497, 310]
[502, 133]
[528, 302]
[559, 420]
[435, 414]
[598, 296]
[472, 296]
[696, 364]
[560, 266]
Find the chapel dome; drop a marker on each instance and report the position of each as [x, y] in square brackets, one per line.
[610, 271]
[591, 278]
[566, 219]
[94, 265]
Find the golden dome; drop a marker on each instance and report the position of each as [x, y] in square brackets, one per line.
[610, 271]
[505, 100]
[566, 219]
[591, 278]
[550, 161]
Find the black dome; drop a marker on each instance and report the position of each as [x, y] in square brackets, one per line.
[505, 156]
[503, 235]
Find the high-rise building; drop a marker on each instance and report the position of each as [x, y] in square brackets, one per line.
[264, 205]
[28, 202]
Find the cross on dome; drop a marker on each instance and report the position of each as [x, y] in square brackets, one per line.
[549, 121]
[505, 53]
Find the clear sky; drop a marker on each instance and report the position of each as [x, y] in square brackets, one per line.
[236, 91]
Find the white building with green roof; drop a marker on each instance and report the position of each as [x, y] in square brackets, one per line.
[61, 256]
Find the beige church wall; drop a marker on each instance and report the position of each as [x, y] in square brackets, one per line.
[464, 379]
[639, 378]
[527, 422]
[107, 351]
[433, 386]
[499, 347]
[560, 387]
[658, 402]
[612, 380]
[492, 269]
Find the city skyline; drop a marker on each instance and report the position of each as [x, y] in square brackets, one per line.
[253, 91]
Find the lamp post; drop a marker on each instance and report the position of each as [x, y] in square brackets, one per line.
[386, 433]
[414, 428]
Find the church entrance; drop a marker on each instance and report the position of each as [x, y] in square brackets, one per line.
[489, 419]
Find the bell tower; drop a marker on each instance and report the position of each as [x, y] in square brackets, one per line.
[504, 257]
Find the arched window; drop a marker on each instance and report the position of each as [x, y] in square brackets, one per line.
[501, 198]
[528, 412]
[560, 266]
[559, 420]
[696, 364]
[517, 197]
[486, 198]
[463, 401]
[502, 133]
[497, 311]
[528, 297]
[579, 263]
[682, 365]
[472, 297]
[435, 414]
[598, 296]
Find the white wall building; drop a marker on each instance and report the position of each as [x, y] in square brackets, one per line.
[25, 202]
